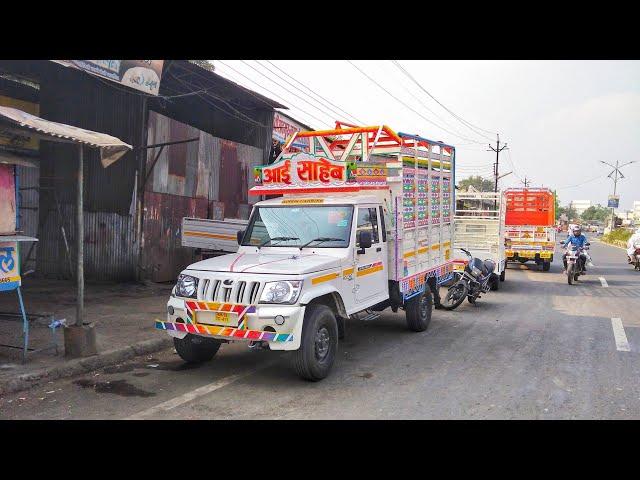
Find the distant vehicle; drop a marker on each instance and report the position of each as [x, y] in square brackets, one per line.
[529, 230]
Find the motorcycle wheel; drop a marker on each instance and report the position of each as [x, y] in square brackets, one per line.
[455, 296]
[570, 274]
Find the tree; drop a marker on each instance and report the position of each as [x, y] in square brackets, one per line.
[556, 204]
[597, 213]
[479, 183]
[568, 211]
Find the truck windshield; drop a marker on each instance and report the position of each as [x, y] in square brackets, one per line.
[296, 225]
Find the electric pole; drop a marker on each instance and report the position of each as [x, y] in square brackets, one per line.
[615, 172]
[526, 182]
[497, 150]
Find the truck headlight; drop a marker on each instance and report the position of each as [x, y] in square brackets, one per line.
[285, 291]
[187, 286]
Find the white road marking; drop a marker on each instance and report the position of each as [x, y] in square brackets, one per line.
[621, 338]
[603, 281]
[198, 392]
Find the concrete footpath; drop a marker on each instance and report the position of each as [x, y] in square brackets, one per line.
[123, 315]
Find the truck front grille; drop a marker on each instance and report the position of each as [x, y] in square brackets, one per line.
[238, 291]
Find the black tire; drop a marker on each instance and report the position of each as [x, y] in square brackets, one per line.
[196, 349]
[495, 282]
[546, 266]
[318, 345]
[460, 295]
[570, 278]
[503, 274]
[418, 311]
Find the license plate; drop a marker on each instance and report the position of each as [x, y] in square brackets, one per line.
[226, 319]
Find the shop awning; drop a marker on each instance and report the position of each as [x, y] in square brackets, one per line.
[110, 148]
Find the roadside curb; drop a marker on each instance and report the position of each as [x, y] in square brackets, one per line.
[83, 365]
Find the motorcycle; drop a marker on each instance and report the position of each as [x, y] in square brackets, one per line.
[576, 260]
[636, 257]
[477, 277]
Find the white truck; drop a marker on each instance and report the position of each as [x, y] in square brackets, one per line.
[480, 227]
[364, 224]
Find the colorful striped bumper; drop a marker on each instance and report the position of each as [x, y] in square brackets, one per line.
[232, 333]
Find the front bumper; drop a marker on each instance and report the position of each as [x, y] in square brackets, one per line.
[257, 324]
[538, 256]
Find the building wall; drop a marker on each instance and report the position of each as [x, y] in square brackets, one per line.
[208, 178]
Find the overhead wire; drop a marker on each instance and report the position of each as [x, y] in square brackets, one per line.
[458, 117]
[351, 118]
[408, 106]
[329, 115]
[310, 115]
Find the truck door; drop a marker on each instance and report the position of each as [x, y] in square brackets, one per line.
[370, 274]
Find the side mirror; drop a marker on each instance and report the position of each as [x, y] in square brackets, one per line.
[364, 240]
[239, 236]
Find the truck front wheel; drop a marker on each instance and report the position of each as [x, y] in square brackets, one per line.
[418, 311]
[546, 266]
[318, 345]
[196, 349]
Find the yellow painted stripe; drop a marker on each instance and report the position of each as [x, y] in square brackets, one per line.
[435, 247]
[446, 244]
[348, 271]
[409, 254]
[302, 201]
[423, 250]
[10, 279]
[209, 235]
[367, 271]
[324, 278]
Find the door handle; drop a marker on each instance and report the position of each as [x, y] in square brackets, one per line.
[379, 249]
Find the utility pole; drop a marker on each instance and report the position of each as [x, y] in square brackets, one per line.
[497, 150]
[526, 182]
[615, 172]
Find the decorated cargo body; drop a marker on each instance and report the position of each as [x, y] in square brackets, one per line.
[529, 225]
[480, 227]
[363, 224]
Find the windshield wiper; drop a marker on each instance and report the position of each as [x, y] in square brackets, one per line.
[282, 239]
[323, 239]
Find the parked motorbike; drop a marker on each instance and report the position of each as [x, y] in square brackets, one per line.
[477, 277]
[576, 260]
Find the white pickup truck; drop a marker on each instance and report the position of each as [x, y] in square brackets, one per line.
[346, 241]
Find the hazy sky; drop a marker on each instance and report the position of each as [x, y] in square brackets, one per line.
[559, 118]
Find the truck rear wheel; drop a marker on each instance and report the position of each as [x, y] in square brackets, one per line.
[503, 274]
[495, 282]
[418, 311]
[318, 345]
[196, 349]
[546, 266]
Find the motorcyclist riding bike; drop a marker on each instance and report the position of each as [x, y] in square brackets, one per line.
[631, 249]
[577, 239]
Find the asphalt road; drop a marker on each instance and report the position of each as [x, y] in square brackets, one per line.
[538, 348]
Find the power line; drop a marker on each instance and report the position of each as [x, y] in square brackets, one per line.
[422, 103]
[344, 112]
[322, 122]
[329, 115]
[462, 120]
[409, 107]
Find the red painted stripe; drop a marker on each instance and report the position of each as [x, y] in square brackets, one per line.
[282, 191]
[234, 262]
[254, 334]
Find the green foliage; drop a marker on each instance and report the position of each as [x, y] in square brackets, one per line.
[595, 213]
[568, 211]
[556, 204]
[619, 234]
[478, 182]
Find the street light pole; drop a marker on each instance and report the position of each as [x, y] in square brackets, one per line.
[616, 171]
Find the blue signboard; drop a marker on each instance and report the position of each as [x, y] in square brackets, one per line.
[614, 201]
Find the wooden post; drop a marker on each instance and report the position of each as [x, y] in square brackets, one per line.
[80, 239]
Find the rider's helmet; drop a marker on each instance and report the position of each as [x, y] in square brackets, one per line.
[576, 230]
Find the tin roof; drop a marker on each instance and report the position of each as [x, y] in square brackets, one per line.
[111, 148]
